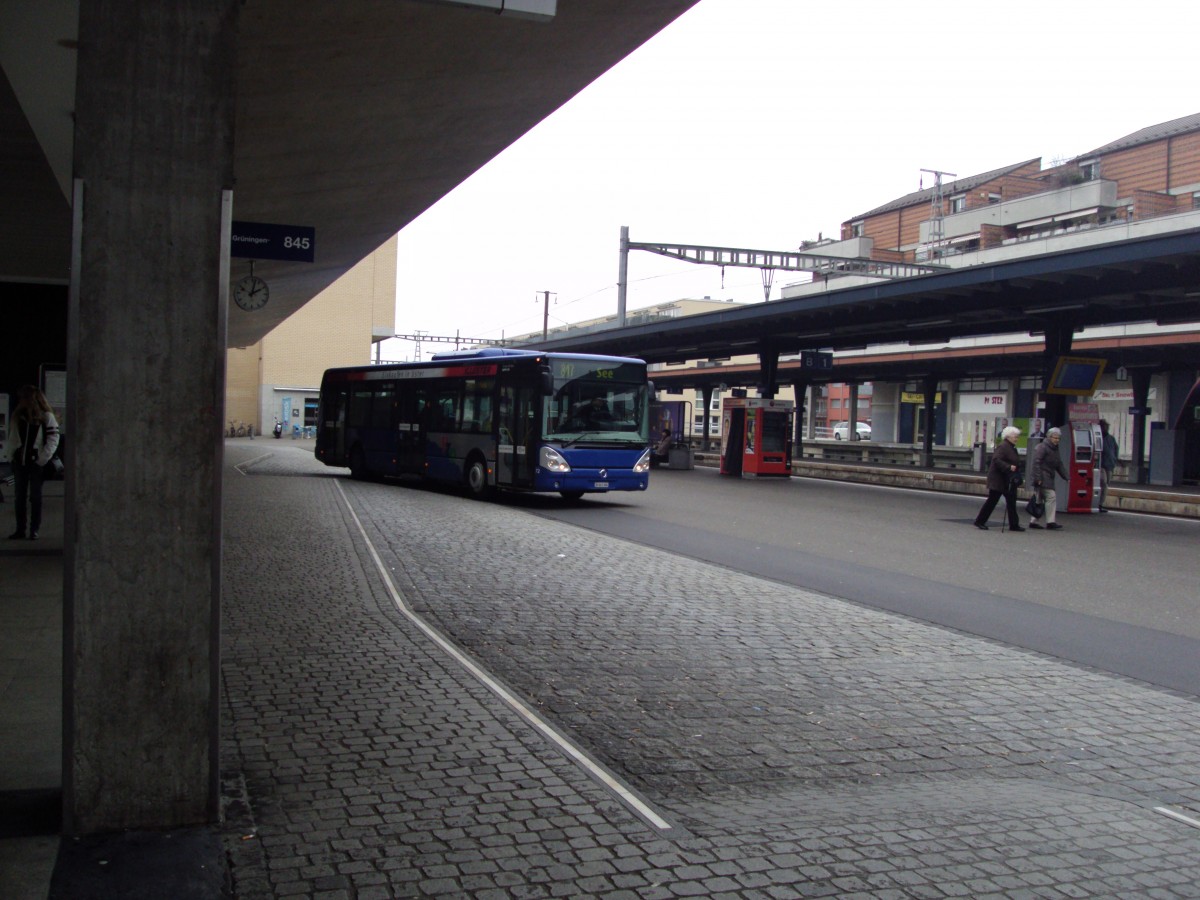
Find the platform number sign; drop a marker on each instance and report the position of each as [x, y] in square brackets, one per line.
[814, 361]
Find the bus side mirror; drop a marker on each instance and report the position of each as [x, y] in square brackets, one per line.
[653, 394]
[547, 383]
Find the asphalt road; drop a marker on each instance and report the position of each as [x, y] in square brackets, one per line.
[1118, 592]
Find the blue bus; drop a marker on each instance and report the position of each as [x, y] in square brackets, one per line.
[492, 419]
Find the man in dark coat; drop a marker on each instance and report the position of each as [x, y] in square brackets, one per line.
[1108, 462]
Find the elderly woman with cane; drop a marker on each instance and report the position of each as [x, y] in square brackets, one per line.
[1003, 480]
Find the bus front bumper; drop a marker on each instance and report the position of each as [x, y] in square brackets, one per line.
[592, 480]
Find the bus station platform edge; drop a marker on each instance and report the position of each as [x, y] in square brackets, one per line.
[1165, 500]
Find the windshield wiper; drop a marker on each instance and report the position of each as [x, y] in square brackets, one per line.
[576, 440]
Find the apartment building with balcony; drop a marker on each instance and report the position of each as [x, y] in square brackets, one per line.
[1145, 183]
[1145, 176]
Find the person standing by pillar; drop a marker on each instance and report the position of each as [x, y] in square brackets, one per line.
[1046, 464]
[1003, 481]
[34, 433]
[1108, 462]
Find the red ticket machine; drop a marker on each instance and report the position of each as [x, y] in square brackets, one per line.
[1083, 465]
[756, 436]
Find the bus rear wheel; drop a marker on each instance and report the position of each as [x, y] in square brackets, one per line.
[476, 478]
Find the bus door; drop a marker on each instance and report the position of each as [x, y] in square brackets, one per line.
[333, 426]
[516, 446]
[411, 422]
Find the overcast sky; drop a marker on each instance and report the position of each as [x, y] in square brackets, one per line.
[763, 123]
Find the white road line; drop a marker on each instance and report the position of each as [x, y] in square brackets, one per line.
[250, 462]
[593, 768]
[1179, 817]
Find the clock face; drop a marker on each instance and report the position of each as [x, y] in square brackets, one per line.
[251, 293]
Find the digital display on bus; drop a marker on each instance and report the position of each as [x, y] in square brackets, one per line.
[569, 369]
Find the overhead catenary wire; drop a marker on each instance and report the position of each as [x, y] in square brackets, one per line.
[523, 324]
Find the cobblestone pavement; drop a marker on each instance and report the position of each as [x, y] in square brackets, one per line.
[795, 744]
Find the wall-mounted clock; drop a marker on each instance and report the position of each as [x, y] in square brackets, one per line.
[251, 293]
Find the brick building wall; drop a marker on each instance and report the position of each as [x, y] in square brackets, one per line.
[901, 228]
[1159, 166]
[1185, 159]
[1012, 186]
[991, 236]
[1145, 174]
[1141, 168]
[908, 225]
[1147, 204]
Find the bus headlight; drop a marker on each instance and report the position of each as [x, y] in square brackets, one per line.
[643, 464]
[552, 461]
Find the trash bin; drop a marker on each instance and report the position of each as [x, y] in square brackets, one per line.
[979, 457]
[680, 458]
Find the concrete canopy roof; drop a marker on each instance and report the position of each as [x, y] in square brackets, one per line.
[352, 118]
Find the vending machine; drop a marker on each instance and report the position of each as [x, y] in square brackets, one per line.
[1082, 459]
[756, 436]
[1080, 449]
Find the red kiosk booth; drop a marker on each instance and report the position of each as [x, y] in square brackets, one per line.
[756, 436]
[1082, 441]
[1082, 458]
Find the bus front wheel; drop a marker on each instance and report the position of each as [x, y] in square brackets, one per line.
[477, 484]
[572, 496]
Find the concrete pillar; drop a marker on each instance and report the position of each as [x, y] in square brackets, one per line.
[768, 363]
[1058, 343]
[929, 386]
[153, 153]
[800, 391]
[708, 393]
[1141, 399]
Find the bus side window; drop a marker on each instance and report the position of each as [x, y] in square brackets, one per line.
[359, 413]
[485, 415]
[446, 408]
[383, 406]
[477, 405]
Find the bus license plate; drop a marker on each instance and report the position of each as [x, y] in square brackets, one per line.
[600, 484]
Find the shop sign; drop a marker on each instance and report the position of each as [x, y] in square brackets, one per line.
[1122, 395]
[911, 397]
[982, 403]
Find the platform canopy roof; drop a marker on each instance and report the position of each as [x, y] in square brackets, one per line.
[1154, 279]
[352, 117]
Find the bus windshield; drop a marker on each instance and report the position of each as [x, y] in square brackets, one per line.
[597, 402]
